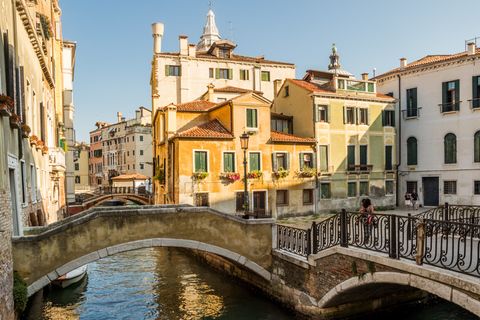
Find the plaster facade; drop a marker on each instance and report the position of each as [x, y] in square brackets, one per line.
[438, 172]
[81, 166]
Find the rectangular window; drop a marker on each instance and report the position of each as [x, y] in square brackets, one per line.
[141, 138]
[388, 118]
[363, 188]
[133, 152]
[128, 167]
[252, 118]
[281, 125]
[254, 161]
[172, 70]
[449, 187]
[239, 201]
[133, 166]
[141, 152]
[77, 166]
[128, 153]
[265, 75]
[351, 157]
[223, 73]
[280, 161]
[476, 187]
[412, 103]
[24, 182]
[388, 187]
[411, 185]
[77, 179]
[224, 53]
[229, 162]
[133, 138]
[141, 166]
[306, 160]
[363, 157]
[325, 191]
[201, 163]
[323, 158]
[307, 196]
[363, 115]
[476, 92]
[202, 199]
[286, 91]
[244, 75]
[350, 115]
[322, 113]
[210, 73]
[451, 96]
[388, 158]
[352, 192]
[282, 198]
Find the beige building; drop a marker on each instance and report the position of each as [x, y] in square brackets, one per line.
[81, 166]
[179, 77]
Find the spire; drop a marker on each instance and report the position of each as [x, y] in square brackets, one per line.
[210, 33]
[334, 64]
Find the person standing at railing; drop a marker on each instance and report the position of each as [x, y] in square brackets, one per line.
[414, 200]
[407, 200]
[367, 216]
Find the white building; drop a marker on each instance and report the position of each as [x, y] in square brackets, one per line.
[179, 77]
[439, 126]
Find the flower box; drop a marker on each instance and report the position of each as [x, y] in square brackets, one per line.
[255, 174]
[308, 172]
[4, 109]
[231, 176]
[281, 173]
[6, 105]
[200, 175]
[33, 140]
[25, 131]
[15, 121]
[44, 149]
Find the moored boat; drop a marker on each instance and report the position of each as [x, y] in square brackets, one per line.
[71, 277]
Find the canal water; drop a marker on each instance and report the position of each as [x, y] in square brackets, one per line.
[167, 283]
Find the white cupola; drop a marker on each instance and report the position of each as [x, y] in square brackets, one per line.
[210, 33]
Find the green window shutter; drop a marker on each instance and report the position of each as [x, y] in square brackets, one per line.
[444, 96]
[323, 158]
[357, 115]
[167, 70]
[226, 167]
[254, 162]
[450, 148]
[274, 161]
[363, 154]
[383, 118]
[314, 160]
[230, 74]
[350, 155]
[344, 114]
[388, 158]
[249, 118]
[287, 161]
[414, 99]
[393, 118]
[247, 75]
[457, 95]
[179, 71]
[254, 118]
[411, 151]
[317, 113]
[475, 103]
[328, 114]
[368, 116]
[476, 147]
[217, 73]
[197, 161]
[301, 161]
[203, 161]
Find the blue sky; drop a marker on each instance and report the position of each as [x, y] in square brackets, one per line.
[115, 45]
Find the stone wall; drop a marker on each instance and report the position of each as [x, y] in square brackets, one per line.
[6, 263]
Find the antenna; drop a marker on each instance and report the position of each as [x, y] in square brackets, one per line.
[231, 30]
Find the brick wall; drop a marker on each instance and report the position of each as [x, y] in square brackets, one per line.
[6, 263]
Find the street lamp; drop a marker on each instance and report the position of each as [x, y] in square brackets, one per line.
[244, 143]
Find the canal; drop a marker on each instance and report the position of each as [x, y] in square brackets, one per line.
[167, 283]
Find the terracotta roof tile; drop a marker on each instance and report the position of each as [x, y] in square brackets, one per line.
[196, 105]
[210, 129]
[384, 96]
[234, 57]
[278, 136]
[235, 90]
[310, 86]
[430, 59]
[130, 176]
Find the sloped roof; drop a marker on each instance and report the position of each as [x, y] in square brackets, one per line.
[231, 89]
[428, 60]
[209, 129]
[311, 86]
[277, 136]
[196, 105]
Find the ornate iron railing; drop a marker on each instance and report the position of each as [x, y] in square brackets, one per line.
[447, 236]
[294, 240]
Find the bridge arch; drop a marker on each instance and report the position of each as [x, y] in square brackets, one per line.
[398, 280]
[124, 196]
[148, 243]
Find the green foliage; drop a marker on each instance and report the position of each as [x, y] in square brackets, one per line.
[371, 267]
[200, 175]
[20, 294]
[333, 211]
[353, 268]
[160, 174]
[308, 172]
[281, 173]
[361, 275]
[255, 174]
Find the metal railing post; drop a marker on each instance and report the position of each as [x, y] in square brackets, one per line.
[393, 237]
[409, 227]
[309, 241]
[420, 241]
[314, 238]
[446, 212]
[343, 229]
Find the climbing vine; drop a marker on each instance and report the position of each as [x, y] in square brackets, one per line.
[20, 294]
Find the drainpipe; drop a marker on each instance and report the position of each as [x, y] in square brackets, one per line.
[17, 93]
[315, 194]
[397, 187]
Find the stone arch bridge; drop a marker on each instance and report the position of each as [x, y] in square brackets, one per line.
[321, 284]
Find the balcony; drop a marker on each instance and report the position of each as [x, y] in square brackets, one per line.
[359, 168]
[56, 159]
[450, 107]
[474, 104]
[412, 113]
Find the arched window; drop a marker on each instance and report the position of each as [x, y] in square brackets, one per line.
[450, 147]
[411, 151]
[476, 147]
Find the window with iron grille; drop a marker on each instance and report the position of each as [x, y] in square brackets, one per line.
[239, 201]
[449, 187]
[202, 199]
[411, 185]
[476, 187]
[307, 196]
[282, 197]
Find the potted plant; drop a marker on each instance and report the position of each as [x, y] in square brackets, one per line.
[160, 175]
[46, 26]
[281, 173]
[231, 176]
[25, 131]
[308, 172]
[6, 105]
[256, 174]
[15, 121]
[44, 149]
[39, 144]
[33, 140]
[200, 175]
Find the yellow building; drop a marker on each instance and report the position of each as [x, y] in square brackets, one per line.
[354, 129]
[199, 159]
[81, 166]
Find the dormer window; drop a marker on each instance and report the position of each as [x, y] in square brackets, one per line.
[224, 53]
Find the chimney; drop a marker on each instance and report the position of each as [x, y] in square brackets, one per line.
[403, 63]
[471, 48]
[365, 76]
[277, 84]
[191, 50]
[137, 115]
[183, 45]
[210, 92]
[119, 117]
[157, 34]
[171, 119]
[123, 119]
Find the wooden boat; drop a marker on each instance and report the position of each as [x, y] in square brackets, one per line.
[71, 277]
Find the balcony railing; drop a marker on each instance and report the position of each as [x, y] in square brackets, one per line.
[360, 168]
[450, 106]
[56, 159]
[474, 103]
[411, 113]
